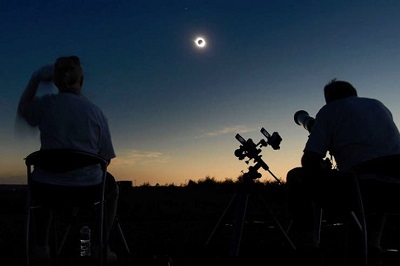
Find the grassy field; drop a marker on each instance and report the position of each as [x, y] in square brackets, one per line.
[169, 225]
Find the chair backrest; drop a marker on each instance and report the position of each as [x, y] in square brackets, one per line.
[63, 160]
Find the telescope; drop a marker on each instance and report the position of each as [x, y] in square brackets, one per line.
[302, 118]
[250, 149]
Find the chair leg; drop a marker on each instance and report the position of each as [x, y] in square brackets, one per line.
[357, 219]
[319, 225]
[121, 234]
[363, 225]
[27, 236]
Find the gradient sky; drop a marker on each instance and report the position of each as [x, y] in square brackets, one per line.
[174, 110]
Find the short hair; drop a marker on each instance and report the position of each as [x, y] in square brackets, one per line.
[68, 74]
[337, 89]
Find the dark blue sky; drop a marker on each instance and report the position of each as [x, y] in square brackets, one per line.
[173, 109]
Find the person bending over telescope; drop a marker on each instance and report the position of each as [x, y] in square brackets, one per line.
[360, 134]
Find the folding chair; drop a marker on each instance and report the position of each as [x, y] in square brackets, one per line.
[349, 207]
[60, 161]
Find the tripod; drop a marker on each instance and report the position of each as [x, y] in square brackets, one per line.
[241, 198]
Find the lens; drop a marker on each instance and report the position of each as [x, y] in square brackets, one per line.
[303, 119]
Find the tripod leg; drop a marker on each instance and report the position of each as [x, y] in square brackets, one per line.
[239, 222]
[221, 219]
[277, 222]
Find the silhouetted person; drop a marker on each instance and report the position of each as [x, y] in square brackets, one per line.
[361, 136]
[67, 120]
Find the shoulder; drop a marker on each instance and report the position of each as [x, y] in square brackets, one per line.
[371, 104]
[363, 101]
[48, 97]
[45, 99]
[327, 110]
[342, 105]
[371, 101]
[94, 108]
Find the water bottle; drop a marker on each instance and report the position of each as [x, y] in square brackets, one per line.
[86, 249]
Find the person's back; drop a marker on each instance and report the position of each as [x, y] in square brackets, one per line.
[354, 130]
[71, 121]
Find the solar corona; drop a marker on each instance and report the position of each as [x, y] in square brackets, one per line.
[200, 42]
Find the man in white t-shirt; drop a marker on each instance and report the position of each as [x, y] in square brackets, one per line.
[67, 120]
[361, 136]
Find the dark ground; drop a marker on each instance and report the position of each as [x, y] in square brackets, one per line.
[172, 225]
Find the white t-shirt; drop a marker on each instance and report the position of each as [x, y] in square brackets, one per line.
[70, 121]
[354, 130]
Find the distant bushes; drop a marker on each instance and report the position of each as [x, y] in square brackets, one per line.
[212, 182]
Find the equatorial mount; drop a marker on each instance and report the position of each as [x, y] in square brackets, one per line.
[252, 151]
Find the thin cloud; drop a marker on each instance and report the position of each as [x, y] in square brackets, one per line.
[135, 157]
[227, 130]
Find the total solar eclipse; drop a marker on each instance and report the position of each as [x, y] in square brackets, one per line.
[200, 42]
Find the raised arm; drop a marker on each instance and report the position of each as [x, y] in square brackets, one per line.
[44, 74]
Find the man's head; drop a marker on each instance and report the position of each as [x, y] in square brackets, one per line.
[68, 74]
[336, 90]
